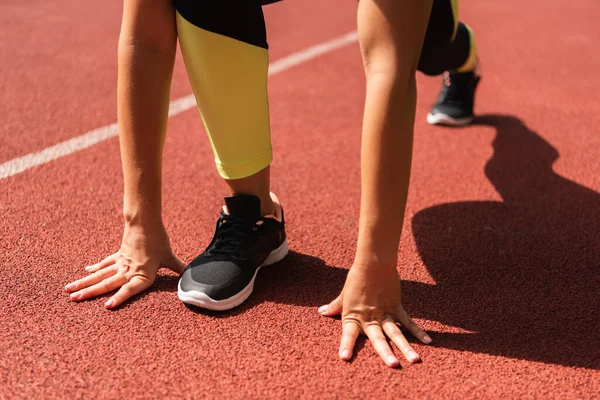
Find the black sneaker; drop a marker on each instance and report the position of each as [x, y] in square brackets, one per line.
[223, 276]
[455, 102]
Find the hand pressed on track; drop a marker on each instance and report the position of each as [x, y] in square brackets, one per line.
[370, 304]
[132, 269]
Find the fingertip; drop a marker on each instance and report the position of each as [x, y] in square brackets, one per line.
[346, 355]
[413, 357]
[323, 309]
[392, 361]
[110, 303]
[426, 339]
[75, 296]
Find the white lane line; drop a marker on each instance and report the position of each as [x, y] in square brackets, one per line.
[88, 139]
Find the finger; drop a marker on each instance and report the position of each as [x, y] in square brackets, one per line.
[408, 323]
[350, 331]
[175, 265]
[107, 262]
[91, 279]
[105, 286]
[393, 332]
[134, 286]
[332, 309]
[373, 331]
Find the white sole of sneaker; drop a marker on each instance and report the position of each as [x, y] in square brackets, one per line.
[443, 119]
[200, 299]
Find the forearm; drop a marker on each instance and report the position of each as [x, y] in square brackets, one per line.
[144, 80]
[390, 34]
[385, 167]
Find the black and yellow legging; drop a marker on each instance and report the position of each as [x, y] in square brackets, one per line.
[224, 45]
[449, 44]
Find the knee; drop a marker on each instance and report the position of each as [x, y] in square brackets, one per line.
[436, 49]
[433, 61]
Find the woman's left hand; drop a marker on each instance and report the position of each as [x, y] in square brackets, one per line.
[370, 304]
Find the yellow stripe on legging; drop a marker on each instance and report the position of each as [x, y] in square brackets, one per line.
[229, 80]
[471, 62]
[454, 4]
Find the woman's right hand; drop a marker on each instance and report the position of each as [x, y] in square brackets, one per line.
[131, 270]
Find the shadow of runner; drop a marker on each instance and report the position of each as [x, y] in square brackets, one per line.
[524, 273]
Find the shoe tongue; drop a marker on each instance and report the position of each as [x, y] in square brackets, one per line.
[244, 206]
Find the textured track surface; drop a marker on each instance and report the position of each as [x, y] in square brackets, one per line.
[500, 251]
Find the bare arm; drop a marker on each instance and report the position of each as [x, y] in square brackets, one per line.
[391, 34]
[146, 57]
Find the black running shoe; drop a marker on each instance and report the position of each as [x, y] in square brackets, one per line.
[223, 276]
[455, 102]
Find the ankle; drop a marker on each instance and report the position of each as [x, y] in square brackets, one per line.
[267, 206]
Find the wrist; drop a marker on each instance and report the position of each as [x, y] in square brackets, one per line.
[374, 261]
[142, 217]
[377, 249]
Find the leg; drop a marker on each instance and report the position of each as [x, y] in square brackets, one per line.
[449, 44]
[225, 51]
[450, 48]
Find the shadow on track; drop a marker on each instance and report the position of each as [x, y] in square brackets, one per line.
[524, 273]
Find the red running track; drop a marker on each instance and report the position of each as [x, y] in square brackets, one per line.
[500, 251]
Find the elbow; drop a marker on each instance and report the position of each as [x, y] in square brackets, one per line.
[389, 68]
[391, 76]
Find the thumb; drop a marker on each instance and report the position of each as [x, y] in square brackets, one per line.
[332, 309]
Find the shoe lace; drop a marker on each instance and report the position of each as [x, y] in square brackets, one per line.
[230, 233]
